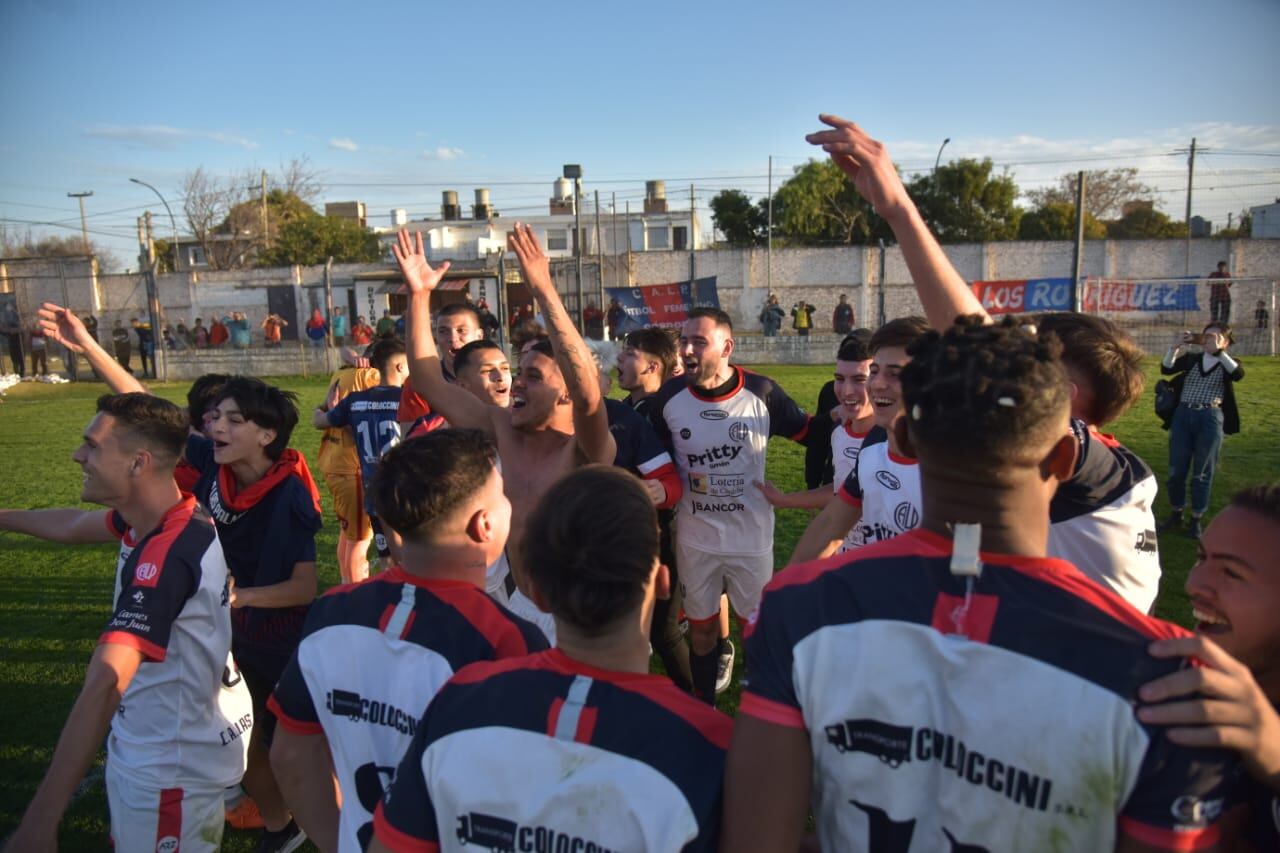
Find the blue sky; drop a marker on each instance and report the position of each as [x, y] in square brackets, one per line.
[395, 101]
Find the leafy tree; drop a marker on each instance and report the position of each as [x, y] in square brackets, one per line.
[13, 245]
[1105, 190]
[819, 205]
[741, 222]
[313, 239]
[1144, 222]
[963, 202]
[1243, 229]
[1057, 221]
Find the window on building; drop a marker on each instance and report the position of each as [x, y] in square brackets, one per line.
[680, 238]
[656, 237]
[557, 239]
[195, 256]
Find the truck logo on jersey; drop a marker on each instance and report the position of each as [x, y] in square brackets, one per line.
[717, 485]
[894, 745]
[738, 431]
[507, 836]
[713, 414]
[891, 744]
[353, 706]
[888, 480]
[1146, 542]
[723, 455]
[906, 516]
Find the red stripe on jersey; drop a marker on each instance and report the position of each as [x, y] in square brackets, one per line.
[742, 380]
[1171, 839]
[151, 559]
[386, 617]
[714, 617]
[1106, 439]
[186, 476]
[770, 711]
[973, 621]
[483, 614]
[397, 841]
[408, 623]
[586, 725]
[169, 824]
[669, 477]
[149, 650]
[412, 405]
[844, 495]
[298, 727]
[553, 716]
[848, 428]
[799, 436]
[902, 460]
[116, 525]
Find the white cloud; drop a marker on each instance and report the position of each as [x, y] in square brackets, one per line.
[164, 136]
[444, 153]
[344, 144]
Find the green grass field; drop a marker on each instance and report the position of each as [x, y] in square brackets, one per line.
[57, 598]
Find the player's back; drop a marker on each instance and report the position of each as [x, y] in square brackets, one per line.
[548, 748]
[372, 657]
[998, 717]
[371, 417]
[337, 454]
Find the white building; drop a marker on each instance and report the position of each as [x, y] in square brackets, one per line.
[1266, 221]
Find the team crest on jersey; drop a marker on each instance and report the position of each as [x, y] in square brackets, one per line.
[146, 574]
[686, 433]
[713, 414]
[888, 480]
[139, 596]
[1193, 811]
[739, 431]
[906, 516]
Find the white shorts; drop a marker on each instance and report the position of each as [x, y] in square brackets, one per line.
[704, 575]
[523, 606]
[175, 820]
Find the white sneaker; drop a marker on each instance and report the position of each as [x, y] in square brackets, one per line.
[724, 668]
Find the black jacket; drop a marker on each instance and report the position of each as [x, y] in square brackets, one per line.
[1191, 361]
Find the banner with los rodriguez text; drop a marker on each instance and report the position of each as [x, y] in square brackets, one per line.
[1023, 296]
[1122, 295]
[666, 305]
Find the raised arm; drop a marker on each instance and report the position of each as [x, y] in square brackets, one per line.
[944, 294]
[827, 530]
[65, 327]
[590, 423]
[460, 408]
[70, 526]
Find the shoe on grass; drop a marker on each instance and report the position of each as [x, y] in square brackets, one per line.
[724, 667]
[282, 840]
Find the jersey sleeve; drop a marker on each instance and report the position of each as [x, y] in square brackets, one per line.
[291, 700]
[769, 692]
[199, 453]
[340, 415]
[116, 525]
[1178, 799]
[412, 405]
[786, 418]
[405, 821]
[851, 490]
[151, 599]
[652, 459]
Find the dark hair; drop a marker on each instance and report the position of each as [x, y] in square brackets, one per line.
[1106, 354]
[463, 357]
[856, 346]
[1264, 499]
[654, 341]
[201, 395]
[152, 422]
[720, 317]
[265, 405]
[1223, 327]
[901, 332]
[590, 545]
[990, 394]
[541, 344]
[525, 331]
[382, 353]
[459, 308]
[424, 480]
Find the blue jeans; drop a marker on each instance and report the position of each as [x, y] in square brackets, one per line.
[1195, 437]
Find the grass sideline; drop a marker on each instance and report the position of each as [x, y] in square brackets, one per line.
[57, 598]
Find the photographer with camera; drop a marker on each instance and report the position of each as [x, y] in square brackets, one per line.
[1204, 388]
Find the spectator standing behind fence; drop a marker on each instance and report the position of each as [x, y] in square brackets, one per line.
[12, 330]
[771, 316]
[339, 326]
[218, 333]
[121, 346]
[613, 318]
[387, 325]
[593, 321]
[146, 345]
[271, 329]
[361, 332]
[488, 321]
[1261, 316]
[1220, 295]
[199, 334]
[1206, 411]
[842, 318]
[238, 326]
[802, 318]
[317, 328]
[39, 352]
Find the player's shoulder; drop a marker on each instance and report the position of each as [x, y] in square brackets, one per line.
[501, 629]
[876, 435]
[362, 603]
[667, 392]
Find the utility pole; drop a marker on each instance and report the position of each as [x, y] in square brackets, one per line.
[84, 226]
[1191, 171]
[613, 214]
[266, 234]
[693, 272]
[768, 263]
[627, 216]
[599, 256]
[1077, 262]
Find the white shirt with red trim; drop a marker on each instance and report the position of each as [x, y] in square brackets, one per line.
[887, 488]
[719, 446]
[184, 720]
[845, 445]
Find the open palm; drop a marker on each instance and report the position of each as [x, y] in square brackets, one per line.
[419, 275]
[63, 326]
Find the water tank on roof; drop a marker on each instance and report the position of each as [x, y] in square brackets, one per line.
[449, 208]
[482, 209]
[399, 216]
[655, 197]
[562, 189]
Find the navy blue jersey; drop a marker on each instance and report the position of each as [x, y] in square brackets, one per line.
[262, 544]
[997, 716]
[371, 417]
[372, 657]
[546, 753]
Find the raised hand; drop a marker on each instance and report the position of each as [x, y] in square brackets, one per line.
[63, 326]
[865, 161]
[419, 275]
[533, 261]
[1218, 704]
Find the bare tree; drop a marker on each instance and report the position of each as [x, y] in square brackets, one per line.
[1106, 191]
[299, 178]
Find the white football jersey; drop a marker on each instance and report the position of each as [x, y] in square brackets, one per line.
[845, 445]
[886, 486]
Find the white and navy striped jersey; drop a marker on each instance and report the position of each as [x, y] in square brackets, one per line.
[1101, 520]
[992, 717]
[887, 488]
[372, 656]
[718, 445]
[184, 720]
[547, 753]
[845, 445]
